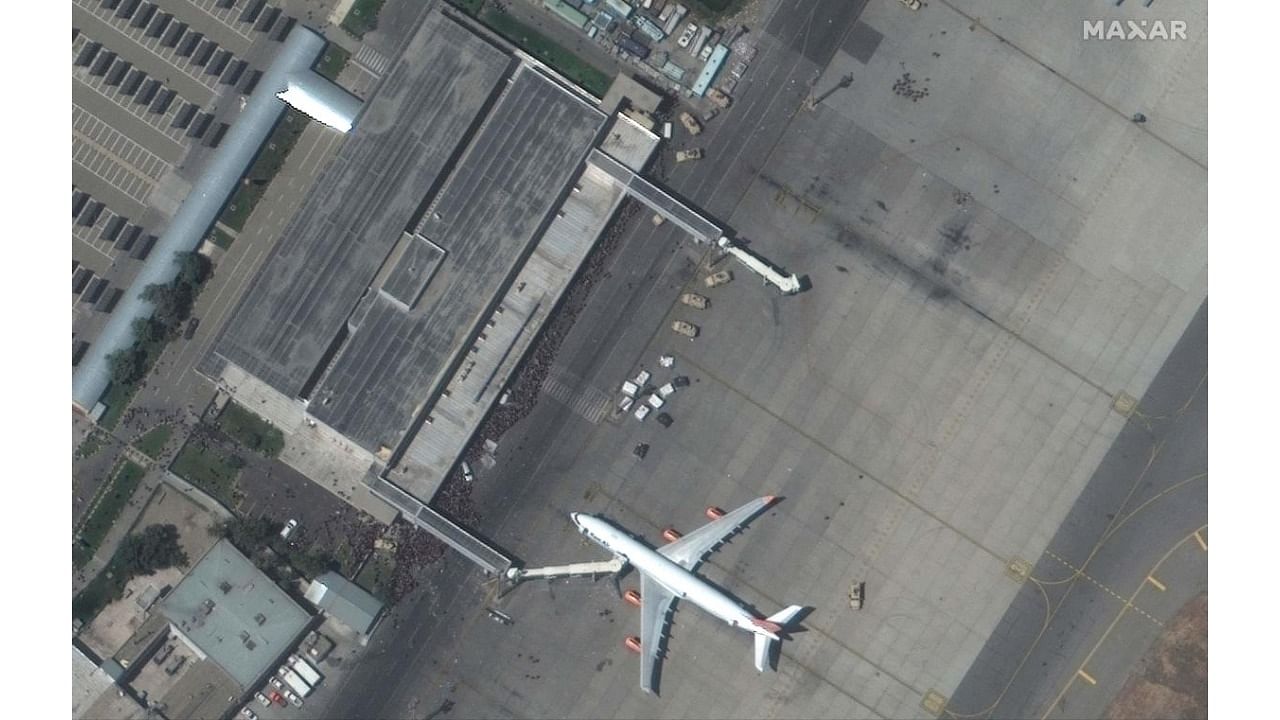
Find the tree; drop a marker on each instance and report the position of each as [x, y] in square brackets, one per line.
[155, 548]
[250, 534]
[172, 304]
[313, 563]
[193, 269]
[126, 365]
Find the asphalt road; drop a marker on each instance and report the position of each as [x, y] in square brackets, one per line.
[1089, 611]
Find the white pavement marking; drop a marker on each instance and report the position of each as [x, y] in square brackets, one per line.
[588, 402]
[372, 60]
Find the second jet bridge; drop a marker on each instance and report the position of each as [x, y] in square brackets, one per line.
[689, 220]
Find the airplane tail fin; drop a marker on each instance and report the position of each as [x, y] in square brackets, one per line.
[764, 644]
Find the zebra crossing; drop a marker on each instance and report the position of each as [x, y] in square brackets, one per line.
[372, 60]
[584, 400]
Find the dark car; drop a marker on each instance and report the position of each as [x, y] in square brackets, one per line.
[192, 324]
[680, 381]
[664, 420]
[641, 450]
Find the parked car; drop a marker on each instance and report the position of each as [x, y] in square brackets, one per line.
[690, 154]
[642, 412]
[641, 450]
[190, 332]
[263, 700]
[694, 300]
[680, 381]
[288, 529]
[687, 329]
[664, 420]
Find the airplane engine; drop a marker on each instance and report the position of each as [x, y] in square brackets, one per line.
[632, 597]
[714, 513]
[671, 534]
[633, 643]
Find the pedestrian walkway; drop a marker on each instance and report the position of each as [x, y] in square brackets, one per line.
[585, 401]
[490, 559]
[372, 60]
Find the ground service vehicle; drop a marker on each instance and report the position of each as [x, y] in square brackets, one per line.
[642, 412]
[718, 279]
[689, 330]
[690, 123]
[690, 154]
[694, 300]
[293, 681]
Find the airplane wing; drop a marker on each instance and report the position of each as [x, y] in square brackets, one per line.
[693, 548]
[655, 612]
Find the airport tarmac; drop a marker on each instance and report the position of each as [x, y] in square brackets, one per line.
[998, 270]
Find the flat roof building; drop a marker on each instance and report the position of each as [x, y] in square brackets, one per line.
[345, 601]
[234, 615]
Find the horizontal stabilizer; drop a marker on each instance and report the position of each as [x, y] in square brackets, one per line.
[784, 617]
[764, 644]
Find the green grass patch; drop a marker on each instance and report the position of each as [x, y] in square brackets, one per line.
[470, 7]
[91, 445]
[221, 238]
[589, 77]
[118, 396]
[110, 500]
[210, 471]
[269, 161]
[250, 430]
[362, 17]
[335, 58]
[377, 574]
[152, 443]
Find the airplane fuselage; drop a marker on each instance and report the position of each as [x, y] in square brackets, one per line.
[680, 582]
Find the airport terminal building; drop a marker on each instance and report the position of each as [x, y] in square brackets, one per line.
[391, 313]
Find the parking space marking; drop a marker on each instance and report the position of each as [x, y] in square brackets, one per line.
[112, 156]
[1200, 539]
[1086, 677]
[1156, 583]
[206, 6]
[137, 37]
[161, 122]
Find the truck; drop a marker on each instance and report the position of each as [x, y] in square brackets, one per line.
[690, 123]
[293, 681]
[305, 670]
[687, 155]
[717, 96]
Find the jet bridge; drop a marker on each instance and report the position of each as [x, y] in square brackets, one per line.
[689, 220]
[588, 569]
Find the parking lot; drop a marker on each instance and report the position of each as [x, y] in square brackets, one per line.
[114, 157]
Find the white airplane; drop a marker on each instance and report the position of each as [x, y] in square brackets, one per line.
[667, 574]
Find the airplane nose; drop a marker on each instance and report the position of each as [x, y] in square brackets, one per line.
[574, 517]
